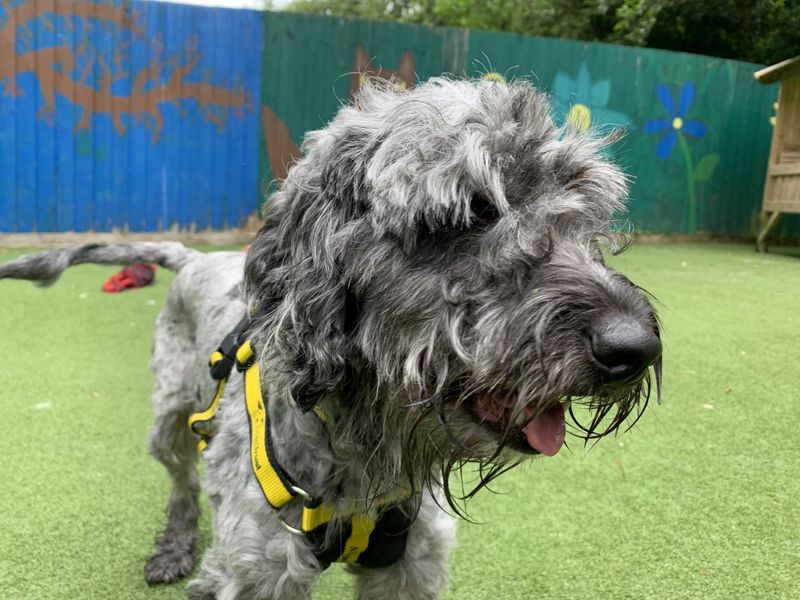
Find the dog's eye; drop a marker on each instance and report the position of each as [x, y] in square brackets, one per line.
[484, 212]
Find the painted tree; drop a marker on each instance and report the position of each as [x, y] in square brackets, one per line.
[101, 79]
[282, 152]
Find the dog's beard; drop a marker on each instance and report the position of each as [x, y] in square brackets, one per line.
[462, 438]
[486, 424]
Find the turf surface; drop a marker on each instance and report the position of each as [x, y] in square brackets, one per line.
[700, 500]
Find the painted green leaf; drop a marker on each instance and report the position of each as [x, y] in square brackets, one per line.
[705, 168]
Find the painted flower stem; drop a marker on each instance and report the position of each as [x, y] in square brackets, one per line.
[687, 156]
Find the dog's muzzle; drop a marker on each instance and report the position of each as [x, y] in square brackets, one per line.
[623, 348]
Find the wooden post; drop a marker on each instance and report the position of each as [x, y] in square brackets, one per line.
[769, 221]
[782, 186]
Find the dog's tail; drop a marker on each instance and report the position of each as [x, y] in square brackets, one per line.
[44, 268]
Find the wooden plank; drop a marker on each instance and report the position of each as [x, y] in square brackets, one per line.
[785, 188]
[770, 222]
[775, 144]
[64, 124]
[782, 206]
[106, 202]
[784, 169]
[781, 70]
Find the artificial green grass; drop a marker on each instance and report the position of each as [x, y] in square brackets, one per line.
[701, 499]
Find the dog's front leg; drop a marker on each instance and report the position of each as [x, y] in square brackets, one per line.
[422, 572]
[254, 560]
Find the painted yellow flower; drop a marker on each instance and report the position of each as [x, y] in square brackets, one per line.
[494, 76]
[583, 102]
[579, 117]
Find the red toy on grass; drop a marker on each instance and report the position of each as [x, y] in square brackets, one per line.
[134, 276]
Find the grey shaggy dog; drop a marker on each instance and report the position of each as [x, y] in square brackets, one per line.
[430, 274]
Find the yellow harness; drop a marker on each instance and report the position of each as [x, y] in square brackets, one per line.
[365, 540]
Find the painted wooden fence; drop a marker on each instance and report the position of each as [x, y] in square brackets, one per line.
[145, 116]
[698, 127]
[140, 116]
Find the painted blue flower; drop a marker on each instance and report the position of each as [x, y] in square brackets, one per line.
[677, 122]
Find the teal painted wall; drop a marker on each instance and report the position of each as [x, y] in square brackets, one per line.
[701, 173]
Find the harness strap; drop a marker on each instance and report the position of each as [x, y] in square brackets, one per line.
[220, 366]
[278, 487]
[361, 527]
[274, 482]
[200, 423]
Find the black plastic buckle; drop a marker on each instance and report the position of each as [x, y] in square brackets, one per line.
[222, 368]
[232, 342]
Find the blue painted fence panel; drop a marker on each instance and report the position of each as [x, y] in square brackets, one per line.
[139, 116]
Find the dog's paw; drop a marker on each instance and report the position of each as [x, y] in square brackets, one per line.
[198, 595]
[196, 591]
[168, 566]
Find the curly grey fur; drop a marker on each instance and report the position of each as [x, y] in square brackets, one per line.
[432, 245]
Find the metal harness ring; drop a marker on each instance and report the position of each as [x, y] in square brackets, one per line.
[297, 491]
[288, 527]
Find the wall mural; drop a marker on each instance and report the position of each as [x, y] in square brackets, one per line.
[102, 80]
[282, 151]
[404, 76]
[148, 116]
[669, 107]
[678, 129]
[104, 65]
[583, 102]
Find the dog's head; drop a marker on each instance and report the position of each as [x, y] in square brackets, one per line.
[432, 269]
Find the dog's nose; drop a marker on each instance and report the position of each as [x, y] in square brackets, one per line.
[624, 347]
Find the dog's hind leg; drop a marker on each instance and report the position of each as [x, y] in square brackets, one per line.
[422, 573]
[172, 443]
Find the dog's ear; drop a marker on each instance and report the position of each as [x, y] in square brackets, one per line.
[317, 344]
[304, 310]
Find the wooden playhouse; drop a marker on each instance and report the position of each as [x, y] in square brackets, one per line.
[782, 188]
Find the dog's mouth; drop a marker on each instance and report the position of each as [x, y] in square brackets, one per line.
[527, 429]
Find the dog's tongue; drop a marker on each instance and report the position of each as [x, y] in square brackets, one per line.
[546, 432]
